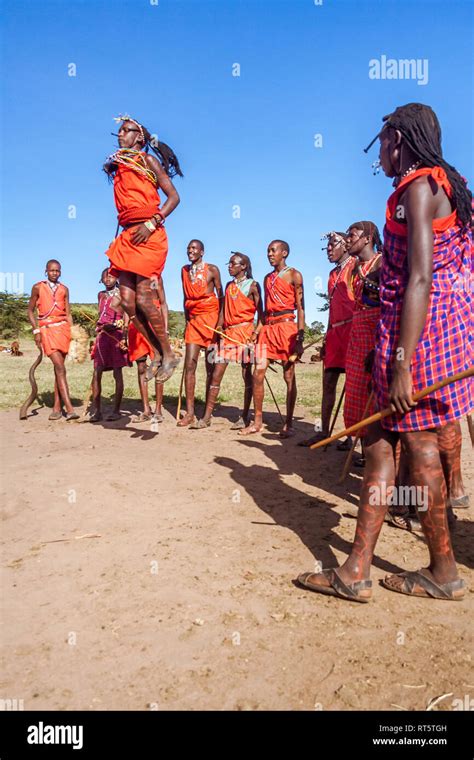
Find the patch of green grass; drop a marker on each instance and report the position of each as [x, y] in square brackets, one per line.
[15, 387]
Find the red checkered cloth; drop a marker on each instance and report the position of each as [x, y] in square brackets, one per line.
[445, 346]
[358, 381]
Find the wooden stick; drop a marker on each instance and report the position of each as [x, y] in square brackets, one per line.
[388, 411]
[180, 395]
[348, 461]
[471, 427]
[274, 399]
[219, 332]
[333, 423]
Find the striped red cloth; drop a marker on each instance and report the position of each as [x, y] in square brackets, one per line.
[445, 346]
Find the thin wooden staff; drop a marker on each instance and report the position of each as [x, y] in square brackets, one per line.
[274, 399]
[471, 427]
[180, 395]
[339, 404]
[348, 461]
[388, 411]
[34, 386]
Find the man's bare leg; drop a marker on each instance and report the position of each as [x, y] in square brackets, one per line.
[290, 380]
[248, 391]
[426, 473]
[379, 477]
[213, 390]
[159, 392]
[57, 397]
[118, 377]
[450, 443]
[190, 365]
[96, 395]
[60, 373]
[154, 318]
[258, 395]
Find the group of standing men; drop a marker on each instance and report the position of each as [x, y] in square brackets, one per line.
[400, 322]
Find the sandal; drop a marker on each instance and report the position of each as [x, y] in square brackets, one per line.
[307, 442]
[166, 369]
[200, 424]
[360, 591]
[404, 583]
[113, 417]
[72, 416]
[239, 424]
[345, 445]
[405, 522]
[142, 417]
[462, 502]
[157, 418]
[55, 416]
[152, 369]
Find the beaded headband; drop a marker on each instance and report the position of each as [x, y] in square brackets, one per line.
[126, 117]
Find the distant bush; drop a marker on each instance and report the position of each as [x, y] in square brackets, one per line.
[13, 315]
[85, 315]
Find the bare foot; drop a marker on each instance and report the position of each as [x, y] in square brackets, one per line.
[251, 429]
[186, 420]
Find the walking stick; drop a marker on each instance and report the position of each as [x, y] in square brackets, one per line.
[274, 399]
[471, 427]
[34, 386]
[339, 403]
[388, 410]
[347, 463]
[180, 395]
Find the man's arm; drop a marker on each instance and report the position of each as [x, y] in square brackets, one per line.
[299, 297]
[419, 203]
[217, 284]
[68, 307]
[165, 184]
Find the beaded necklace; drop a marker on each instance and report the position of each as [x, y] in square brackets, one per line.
[341, 268]
[125, 156]
[371, 286]
[195, 272]
[234, 288]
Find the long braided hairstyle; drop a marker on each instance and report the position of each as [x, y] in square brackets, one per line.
[162, 151]
[421, 131]
[370, 230]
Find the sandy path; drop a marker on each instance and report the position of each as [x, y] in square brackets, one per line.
[186, 600]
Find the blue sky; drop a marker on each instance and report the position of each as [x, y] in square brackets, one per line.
[243, 141]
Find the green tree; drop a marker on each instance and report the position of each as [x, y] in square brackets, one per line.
[13, 315]
[325, 297]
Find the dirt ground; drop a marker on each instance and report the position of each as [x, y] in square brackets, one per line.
[155, 571]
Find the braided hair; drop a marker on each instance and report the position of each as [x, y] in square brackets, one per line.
[421, 131]
[370, 230]
[162, 151]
